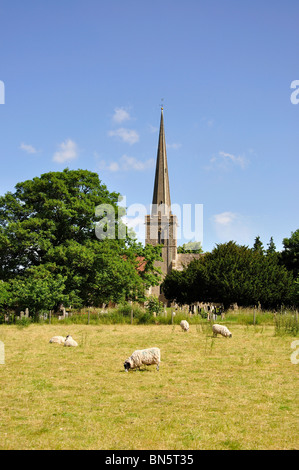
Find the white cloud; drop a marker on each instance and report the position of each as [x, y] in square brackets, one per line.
[129, 136]
[127, 163]
[209, 122]
[224, 160]
[28, 148]
[174, 146]
[225, 218]
[232, 226]
[113, 166]
[152, 129]
[237, 160]
[68, 150]
[120, 115]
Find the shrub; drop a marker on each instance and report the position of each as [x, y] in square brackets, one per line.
[24, 322]
[153, 305]
[286, 324]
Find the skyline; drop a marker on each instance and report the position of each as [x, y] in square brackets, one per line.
[83, 87]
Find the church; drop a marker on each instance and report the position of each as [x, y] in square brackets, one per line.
[161, 225]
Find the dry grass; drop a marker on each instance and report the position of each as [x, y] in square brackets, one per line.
[210, 393]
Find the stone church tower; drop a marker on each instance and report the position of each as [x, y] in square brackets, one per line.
[161, 224]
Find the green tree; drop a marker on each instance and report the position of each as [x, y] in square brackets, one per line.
[190, 247]
[51, 223]
[290, 253]
[4, 295]
[176, 287]
[46, 212]
[153, 305]
[39, 290]
[258, 245]
[271, 247]
[233, 273]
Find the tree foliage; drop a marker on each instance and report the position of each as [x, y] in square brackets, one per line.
[190, 247]
[290, 253]
[232, 273]
[49, 251]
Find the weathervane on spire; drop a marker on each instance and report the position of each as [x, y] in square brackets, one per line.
[162, 99]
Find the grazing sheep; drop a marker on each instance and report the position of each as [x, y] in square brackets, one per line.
[222, 330]
[184, 325]
[69, 341]
[57, 339]
[143, 357]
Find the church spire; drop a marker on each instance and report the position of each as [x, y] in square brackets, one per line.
[161, 197]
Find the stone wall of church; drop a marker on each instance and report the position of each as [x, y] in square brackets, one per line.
[183, 259]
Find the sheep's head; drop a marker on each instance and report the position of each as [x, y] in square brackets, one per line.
[128, 364]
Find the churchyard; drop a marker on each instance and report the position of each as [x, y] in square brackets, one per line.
[210, 393]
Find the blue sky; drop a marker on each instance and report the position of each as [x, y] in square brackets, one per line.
[83, 87]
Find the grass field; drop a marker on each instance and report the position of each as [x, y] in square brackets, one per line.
[210, 393]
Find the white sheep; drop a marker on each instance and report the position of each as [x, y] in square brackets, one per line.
[184, 325]
[143, 357]
[222, 330]
[69, 341]
[57, 339]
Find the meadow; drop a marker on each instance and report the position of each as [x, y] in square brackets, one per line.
[210, 393]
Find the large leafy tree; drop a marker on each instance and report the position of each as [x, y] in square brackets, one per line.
[258, 245]
[190, 247]
[233, 273]
[271, 250]
[46, 212]
[290, 253]
[176, 287]
[4, 295]
[48, 234]
[39, 290]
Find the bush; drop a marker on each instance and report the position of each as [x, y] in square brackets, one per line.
[24, 322]
[145, 318]
[126, 309]
[286, 324]
[153, 305]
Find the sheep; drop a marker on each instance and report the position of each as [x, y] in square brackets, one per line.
[57, 339]
[69, 341]
[222, 330]
[184, 325]
[143, 357]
